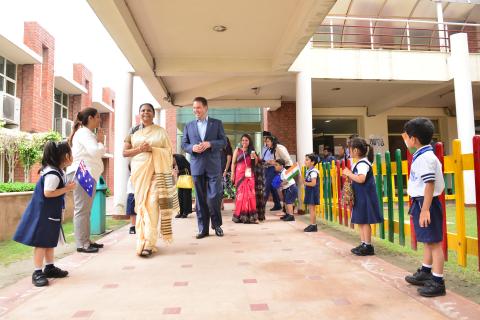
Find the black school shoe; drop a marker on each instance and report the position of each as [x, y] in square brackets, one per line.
[311, 228]
[39, 279]
[54, 272]
[432, 288]
[419, 278]
[365, 250]
[96, 245]
[289, 217]
[132, 230]
[355, 250]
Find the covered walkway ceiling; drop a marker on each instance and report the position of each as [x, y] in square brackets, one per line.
[173, 47]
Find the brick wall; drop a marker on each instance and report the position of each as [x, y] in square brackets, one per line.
[108, 124]
[36, 83]
[83, 76]
[282, 124]
[171, 123]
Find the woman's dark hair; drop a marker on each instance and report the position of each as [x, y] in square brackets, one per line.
[54, 153]
[273, 140]
[250, 147]
[313, 157]
[146, 104]
[363, 147]
[82, 120]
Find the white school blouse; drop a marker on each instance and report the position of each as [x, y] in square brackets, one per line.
[86, 147]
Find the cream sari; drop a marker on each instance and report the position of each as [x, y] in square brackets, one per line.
[155, 192]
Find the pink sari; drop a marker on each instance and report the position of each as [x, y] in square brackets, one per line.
[245, 203]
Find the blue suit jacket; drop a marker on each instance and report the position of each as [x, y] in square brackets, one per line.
[210, 161]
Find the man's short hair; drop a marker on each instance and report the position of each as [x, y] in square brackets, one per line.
[202, 100]
[266, 134]
[420, 128]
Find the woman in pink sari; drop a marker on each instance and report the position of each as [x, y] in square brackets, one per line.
[243, 163]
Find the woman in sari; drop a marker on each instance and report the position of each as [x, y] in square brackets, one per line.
[155, 193]
[243, 162]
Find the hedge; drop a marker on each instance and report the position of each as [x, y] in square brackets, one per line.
[16, 187]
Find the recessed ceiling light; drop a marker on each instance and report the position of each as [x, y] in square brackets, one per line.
[327, 121]
[219, 28]
[336, 89]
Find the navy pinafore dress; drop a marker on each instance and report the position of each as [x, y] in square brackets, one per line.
[40, 225]
[365, 207]
[312, 194]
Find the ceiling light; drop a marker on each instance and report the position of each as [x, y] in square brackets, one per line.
[219, 28]
[327, 121]
[335, 89]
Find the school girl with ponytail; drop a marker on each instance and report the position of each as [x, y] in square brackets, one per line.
[365, 210]
[87, 146]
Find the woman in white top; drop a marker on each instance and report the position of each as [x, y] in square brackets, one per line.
[86, 146]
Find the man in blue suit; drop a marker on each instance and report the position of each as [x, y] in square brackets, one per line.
[204, 139]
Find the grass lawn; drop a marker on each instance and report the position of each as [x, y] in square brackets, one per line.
[11, 251]
[470, 218]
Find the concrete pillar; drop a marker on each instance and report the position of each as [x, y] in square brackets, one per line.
[441, 27]
[123, 122]
[156, 120]
[163, 118]
[459, 63]
[304, 116]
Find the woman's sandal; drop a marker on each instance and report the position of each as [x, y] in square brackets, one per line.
[146, 253]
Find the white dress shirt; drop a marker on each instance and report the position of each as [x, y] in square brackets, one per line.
[86, 147]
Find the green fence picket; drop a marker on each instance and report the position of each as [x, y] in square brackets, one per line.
[388, 165]
[379, 183]
[401, 225]
[329, 192]
[325, 202]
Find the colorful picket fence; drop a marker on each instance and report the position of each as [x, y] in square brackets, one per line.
[390, 176]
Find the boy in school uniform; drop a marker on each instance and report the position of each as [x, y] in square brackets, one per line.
[425, 184]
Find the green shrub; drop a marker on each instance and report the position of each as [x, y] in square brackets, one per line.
[16, 187]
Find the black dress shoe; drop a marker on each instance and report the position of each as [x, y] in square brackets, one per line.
[39, 279]
[202, 235]
[88, 250]
[219, 232]
[55, 272]
[179, 215]
[96, 245]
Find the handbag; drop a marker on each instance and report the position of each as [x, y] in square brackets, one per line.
[185, 181]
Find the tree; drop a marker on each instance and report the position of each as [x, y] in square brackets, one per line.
[29, 154]
[9, 146]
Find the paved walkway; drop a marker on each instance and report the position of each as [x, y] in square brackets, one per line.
[267, 271]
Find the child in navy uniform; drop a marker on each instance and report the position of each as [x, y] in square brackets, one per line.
[40, 225]
[425, 184]
[366, 210]
[312, 190]
[290, 190]
[130, 211]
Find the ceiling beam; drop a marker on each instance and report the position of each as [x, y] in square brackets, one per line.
[307, 17]
[204, 66]
[273, 104]
[120, 24]
[403, 98]
[223, 88]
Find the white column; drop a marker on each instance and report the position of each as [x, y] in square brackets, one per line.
[304, 116]
[157, 117]
[459, 63]
[163, 118]
[441, 27]
[123, 122]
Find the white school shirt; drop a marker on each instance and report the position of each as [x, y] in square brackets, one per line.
[51, 181]
[86, 147]
[311, 174]
[425, 168]
[362, 167]
[286, 183]
[130, 188]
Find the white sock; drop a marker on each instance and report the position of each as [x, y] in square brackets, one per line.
[437, 275]
[427, 266]
[367, 243]
[38, 269]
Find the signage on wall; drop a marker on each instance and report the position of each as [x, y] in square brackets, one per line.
[378, 143]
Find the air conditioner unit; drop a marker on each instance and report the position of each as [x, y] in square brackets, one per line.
[9, 109]
[63, 126]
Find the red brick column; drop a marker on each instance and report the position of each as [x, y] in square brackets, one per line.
[282, 124]
[35, 88]
[108, 124]
[171, 126]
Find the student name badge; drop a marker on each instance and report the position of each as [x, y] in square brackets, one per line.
[248, 173]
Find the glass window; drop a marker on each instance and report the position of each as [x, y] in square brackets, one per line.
[11, 71]
[2, 65]
[2, 85]
[58, 96]
[60, 104]
[11, 88]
